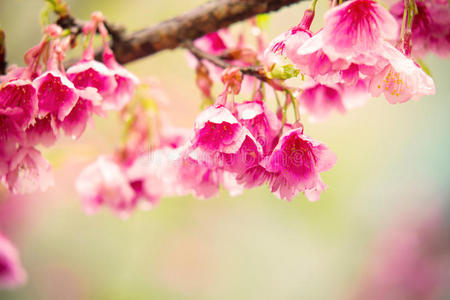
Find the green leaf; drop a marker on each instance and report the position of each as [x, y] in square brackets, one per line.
[262, 20]
[284, 72]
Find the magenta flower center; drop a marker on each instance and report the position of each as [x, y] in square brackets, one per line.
[52, 94]
[215, 135]
[89, 78]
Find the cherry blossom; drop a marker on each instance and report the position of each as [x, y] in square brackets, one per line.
[295, 165]
[104, 183]
[12, 273]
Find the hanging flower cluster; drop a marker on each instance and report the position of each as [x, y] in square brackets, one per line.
[360, 52]
[39, 100]
[352, 58]
[235, 145]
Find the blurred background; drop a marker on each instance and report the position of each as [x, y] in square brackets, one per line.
[383, 223]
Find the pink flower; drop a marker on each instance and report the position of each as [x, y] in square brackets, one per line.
[430, 27]
[104, 182]
[173, 137]
[197, 178]
[221, 141]
[262, 123]
[19, 94]
[44, 131]
[295, 165]
[56, 94]
[217, 130]
[12, 273]
[154, 175]
[356, 27]
[229, 182]
[248, 155]
[88, 103]
[10, 132]
[401, 79]
[215, 43]
[349, 48]
[90, 73]
[288, 42]
[126, 83]
[254, 176]
[7, 150]
[319, 100]
[28, 172]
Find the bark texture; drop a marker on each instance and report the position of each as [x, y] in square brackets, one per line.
[204, 19]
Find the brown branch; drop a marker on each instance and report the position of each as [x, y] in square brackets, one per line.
[170, 34]
[3, 63]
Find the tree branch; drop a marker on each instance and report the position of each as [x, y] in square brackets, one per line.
[255, 71]
[170, 34]
[3, 63]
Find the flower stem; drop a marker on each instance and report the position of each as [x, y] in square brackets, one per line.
[294, 105]
[313, 5]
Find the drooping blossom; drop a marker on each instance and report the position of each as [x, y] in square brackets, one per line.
[223, 142]
[202, 180]
[319, 100]
[218, 130]
[125, 80]
[19, 94]
[10, 132]
[197, 178]
[7, 150]
[214, 43]
[56, 94]
[154, 175]
[287, 43]
[104, 183]
[28, 172]
[430, 27]
[44, 131]
[262, 123]
[402, 79]
[355, 28]
[12, 273]
[350, 45]
[91, 73]
[173, 137]
[89, 102]
[296, 164]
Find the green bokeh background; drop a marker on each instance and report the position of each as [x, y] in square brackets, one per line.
[392, 159]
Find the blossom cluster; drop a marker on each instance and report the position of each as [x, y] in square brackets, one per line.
[359, 53]
[236, 146]
[42, 99]
[362, 51]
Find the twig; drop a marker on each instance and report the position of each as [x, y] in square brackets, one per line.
[170, 34]
[255, 71]
[3, 63]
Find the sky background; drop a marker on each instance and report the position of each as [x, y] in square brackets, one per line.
[393, 163]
